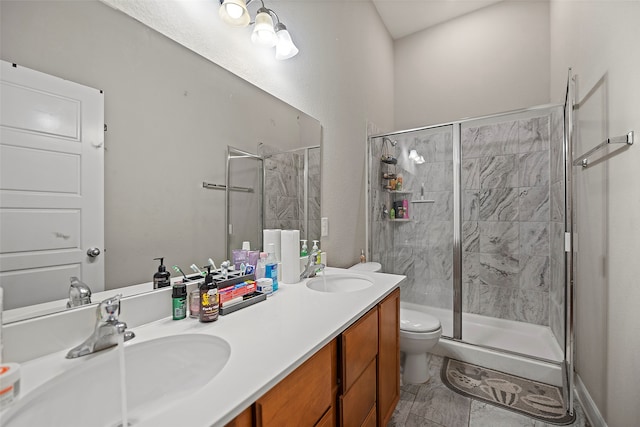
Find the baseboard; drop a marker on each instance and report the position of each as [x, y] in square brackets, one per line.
[591, 411]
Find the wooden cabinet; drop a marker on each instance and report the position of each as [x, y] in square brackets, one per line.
[354, 381]
[388, 356]
[303, 397]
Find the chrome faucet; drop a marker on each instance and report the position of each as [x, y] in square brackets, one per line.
[312, 266]
[107, 329]
[79, 293]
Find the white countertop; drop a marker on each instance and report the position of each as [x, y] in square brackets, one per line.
[268, 341]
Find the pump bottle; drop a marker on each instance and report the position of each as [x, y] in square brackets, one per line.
[208, 299]
[162, 277]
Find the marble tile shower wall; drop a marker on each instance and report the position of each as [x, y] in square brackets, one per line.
[284, 192]
[557, 220]
[506, 219]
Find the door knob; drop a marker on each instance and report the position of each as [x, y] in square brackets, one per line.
[93, 252]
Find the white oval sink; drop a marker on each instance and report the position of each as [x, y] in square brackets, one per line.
[339, 283]
[159, 373]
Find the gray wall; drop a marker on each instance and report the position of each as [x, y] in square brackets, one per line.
[599, 40]
[491, 60]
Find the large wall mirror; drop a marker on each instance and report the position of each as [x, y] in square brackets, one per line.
[170, 116]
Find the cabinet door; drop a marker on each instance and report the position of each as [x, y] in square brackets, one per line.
[244, 419]
[359, 347]
[388, 356]
[370, 421]
[357, 403]
[302, 397]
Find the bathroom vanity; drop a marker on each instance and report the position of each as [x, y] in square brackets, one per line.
[302, 357]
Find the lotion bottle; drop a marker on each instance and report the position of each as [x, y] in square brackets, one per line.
[208, 299]
[162, 277]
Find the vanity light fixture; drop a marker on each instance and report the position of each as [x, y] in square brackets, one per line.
[265, 33]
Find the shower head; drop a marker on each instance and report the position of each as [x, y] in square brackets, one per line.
[391, 141]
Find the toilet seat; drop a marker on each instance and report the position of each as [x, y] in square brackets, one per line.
[417, 322]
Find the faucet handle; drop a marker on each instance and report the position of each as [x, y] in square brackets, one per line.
[109, 309]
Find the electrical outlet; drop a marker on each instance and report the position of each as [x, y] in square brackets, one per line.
[324, 226]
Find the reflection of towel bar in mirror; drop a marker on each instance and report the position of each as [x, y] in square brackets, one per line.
[624, 139]
[224, 187]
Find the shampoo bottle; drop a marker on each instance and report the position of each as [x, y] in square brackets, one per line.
[161, 278]
[208, 299]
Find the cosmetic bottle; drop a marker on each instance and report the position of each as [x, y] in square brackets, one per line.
[271, 268]
[363, 258]
[261, 267]
[161, 278]
[208, 299]
[392, 214]
[179, 301]
[399, 183]
[304, 251]
[405, 208]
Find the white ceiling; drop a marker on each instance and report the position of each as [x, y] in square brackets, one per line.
[404, 17]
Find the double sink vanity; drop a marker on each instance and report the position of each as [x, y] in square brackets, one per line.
[322, 352]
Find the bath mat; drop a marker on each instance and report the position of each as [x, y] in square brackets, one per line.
[531, 398]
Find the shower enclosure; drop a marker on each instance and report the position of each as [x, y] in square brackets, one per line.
[481, 230]
[271, 189]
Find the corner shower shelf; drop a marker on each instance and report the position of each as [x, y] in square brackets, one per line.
[422, 201]
[398, 192]
[400, 220]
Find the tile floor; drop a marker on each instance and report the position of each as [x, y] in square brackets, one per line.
[432, 404]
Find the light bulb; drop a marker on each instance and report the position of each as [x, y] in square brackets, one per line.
[285, 48]
[263, 33]
[234, 12]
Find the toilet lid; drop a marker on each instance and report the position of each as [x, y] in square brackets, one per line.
[417, 321]
[367, 266]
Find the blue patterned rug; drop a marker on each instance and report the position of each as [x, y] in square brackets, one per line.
[531, 398]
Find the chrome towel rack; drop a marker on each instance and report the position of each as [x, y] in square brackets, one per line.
[224, 187]
[584, 159]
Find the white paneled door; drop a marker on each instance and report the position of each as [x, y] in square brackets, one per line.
[51, 186]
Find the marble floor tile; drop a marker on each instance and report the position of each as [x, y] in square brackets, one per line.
[439, 404]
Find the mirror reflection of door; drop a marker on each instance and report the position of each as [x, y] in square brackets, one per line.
[51, 186]
[244, 200]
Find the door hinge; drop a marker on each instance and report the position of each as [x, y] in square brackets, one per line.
[567, 242]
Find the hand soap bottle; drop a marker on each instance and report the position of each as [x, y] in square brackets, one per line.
[162, 278]
[208, 299]
[304, 251]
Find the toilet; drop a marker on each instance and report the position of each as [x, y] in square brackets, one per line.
[367, 266]
[419, 333]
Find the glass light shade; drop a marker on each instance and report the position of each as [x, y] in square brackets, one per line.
[263, 33]
[285, 48]
[234, 12]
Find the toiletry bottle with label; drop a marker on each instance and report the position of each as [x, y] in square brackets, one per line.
[363, 258]
[262, 265]
[392, 214]
[271, 268]
[179, 301]
[161, 278]
[208, 299]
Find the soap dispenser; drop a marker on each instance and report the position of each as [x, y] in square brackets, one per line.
[161, 278]
[208, 299]
[304, 251]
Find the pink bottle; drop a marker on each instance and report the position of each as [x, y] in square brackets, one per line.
[405, 208]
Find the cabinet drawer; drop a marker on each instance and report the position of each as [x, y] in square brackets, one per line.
[302, 397]
[358, 402]
[359, 347]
